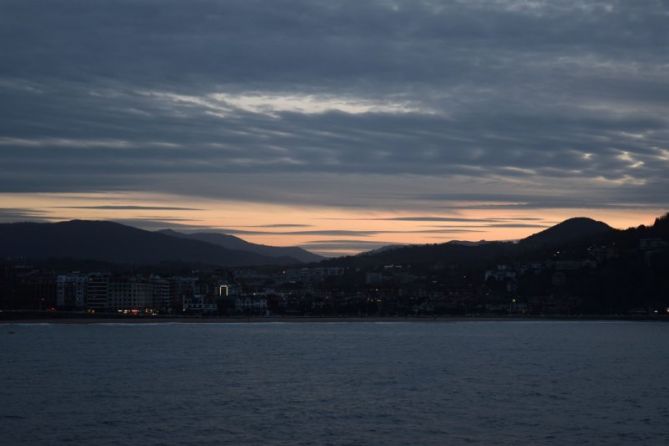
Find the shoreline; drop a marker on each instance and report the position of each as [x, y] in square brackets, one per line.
[106, 319]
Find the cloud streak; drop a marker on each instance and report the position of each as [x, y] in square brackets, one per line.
[10, 215]
[132, 208]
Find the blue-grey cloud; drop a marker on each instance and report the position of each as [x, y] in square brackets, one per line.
[343, 245]
[158, 223]
[511, 104]
[8, 215]
[455, 219]
[132, 208]
[498, 225]
[162, 224]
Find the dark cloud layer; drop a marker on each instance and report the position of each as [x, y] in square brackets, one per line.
[392, 104]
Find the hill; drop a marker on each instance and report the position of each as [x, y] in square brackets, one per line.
[474, 254]
[236, 243]
[570, 230]
[117, 243]
[429, 255]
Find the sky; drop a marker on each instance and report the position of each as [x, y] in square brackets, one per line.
[339, 126]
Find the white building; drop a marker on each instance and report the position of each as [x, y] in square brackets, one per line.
[130, 294]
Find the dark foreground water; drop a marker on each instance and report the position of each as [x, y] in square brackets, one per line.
[520, 383]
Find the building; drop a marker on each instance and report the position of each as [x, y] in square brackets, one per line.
[131, 294]
[251, 304]
[97, 291]
[23, 287]
[161, 296]
[374, 278]
[200, 304]
[71, 291]
[182, 290]
[503, 272]
[647, 244]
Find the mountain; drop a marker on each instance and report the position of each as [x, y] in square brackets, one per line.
[385, 248]
[661, 227]
[474, 254]
[117, 243]
[232, 242]
[570, 230]
[426, 255]
[467, 243]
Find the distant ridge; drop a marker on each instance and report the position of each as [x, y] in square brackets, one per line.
[113, 242]
[116, 243]
[384, 248]
[570, 230]
[232, 242]
[467, 243]
[481, 252]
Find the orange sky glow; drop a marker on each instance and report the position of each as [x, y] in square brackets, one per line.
[316, 228]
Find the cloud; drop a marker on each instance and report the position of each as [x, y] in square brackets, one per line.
[346, 232]
[498, 225]
[9, 215]
[455, 219]
[281, 225]
[155, 224]
[343, 245]
[401, 105]
[181, 224]
[326, 232]
[273, 104]
[133, 208]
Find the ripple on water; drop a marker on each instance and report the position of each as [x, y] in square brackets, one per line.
[340, 384]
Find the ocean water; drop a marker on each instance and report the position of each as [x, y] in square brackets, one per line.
[414, 383]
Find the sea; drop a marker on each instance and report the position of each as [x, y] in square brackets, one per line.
[335, 383]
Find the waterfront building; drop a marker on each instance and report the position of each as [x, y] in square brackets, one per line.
[133, 293]
[71, 291]
[160, 290]
[97, 291]
[200, 304]
[251, 304]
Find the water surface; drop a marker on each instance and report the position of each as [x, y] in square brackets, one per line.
[517, 383]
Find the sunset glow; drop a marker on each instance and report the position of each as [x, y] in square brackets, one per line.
[329, 231]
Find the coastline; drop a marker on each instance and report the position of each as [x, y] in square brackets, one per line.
[32, 318]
